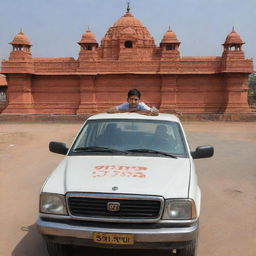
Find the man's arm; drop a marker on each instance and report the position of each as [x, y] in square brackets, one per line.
[154, 111]
[118, 109]
[112, 110]
[146, 110]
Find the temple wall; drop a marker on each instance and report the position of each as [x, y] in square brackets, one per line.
[236, 93]
[66, 65]
[201, 94]
[183, 66]
[82, 94]
[112, 89]
[56, 94]
[20, 99]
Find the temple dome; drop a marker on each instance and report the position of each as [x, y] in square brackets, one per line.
[88, 37]
[128, 20]
[127, 26]
[233, 38]
[169, 37]
[20, 39]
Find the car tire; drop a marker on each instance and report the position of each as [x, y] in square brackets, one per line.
[189, 250]
[55, 249]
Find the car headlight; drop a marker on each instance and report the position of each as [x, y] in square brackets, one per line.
[53, 204]
[179, 209]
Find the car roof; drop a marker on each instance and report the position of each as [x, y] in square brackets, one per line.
[134, 115]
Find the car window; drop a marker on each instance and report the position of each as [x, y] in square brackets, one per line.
[129, 134]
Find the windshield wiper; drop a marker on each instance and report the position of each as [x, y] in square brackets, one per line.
[98, 149]
[145, 150]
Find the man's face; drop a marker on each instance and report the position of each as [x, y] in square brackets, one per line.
[133, 101]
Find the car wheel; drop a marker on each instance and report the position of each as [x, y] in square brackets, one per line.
[189, 250]
[58, 249]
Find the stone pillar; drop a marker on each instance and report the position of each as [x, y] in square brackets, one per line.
[20, 98]
[168, 93]
[87, 95]
[236, 94]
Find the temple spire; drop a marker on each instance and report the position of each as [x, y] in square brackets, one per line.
[233, 29]
[128, 7]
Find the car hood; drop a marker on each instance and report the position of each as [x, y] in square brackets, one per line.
[162, 176]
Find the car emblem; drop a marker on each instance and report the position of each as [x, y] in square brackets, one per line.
[113, 206]
[115, 188]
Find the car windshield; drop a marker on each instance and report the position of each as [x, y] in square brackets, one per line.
[130, 136]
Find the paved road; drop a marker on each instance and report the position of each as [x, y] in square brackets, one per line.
[228, 184]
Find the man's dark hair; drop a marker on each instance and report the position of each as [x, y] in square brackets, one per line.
[134, 92]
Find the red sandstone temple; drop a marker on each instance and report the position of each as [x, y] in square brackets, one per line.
[126, 58]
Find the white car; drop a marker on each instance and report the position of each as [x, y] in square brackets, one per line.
[127, 181]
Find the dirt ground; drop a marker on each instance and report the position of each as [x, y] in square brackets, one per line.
[227, 181]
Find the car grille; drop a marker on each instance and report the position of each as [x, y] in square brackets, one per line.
[97, 207]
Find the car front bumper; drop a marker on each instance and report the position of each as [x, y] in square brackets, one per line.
[144, 238]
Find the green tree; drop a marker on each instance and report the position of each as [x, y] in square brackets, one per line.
[252, 88]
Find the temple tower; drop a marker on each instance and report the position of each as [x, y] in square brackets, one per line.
[170, 46]
[20, 48]
[88, 47]
[233, 46]
[20, 97]
[235, 69]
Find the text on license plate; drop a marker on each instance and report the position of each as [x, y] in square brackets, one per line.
[107, 238]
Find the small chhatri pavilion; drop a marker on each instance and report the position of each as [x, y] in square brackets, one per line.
[126, 58]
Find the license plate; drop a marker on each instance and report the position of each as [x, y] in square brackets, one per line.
[107, 238]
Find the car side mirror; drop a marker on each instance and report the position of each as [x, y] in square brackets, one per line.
[203, 152]
[58, 147]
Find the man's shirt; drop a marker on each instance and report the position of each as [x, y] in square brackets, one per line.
[141, 106]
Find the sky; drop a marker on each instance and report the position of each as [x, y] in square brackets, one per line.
[55, 26]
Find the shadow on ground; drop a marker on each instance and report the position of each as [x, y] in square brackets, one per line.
[80, 251]
[33, 244]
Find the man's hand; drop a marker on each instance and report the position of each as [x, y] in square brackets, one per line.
[151, 112]
[148, 113]
[111, 110]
